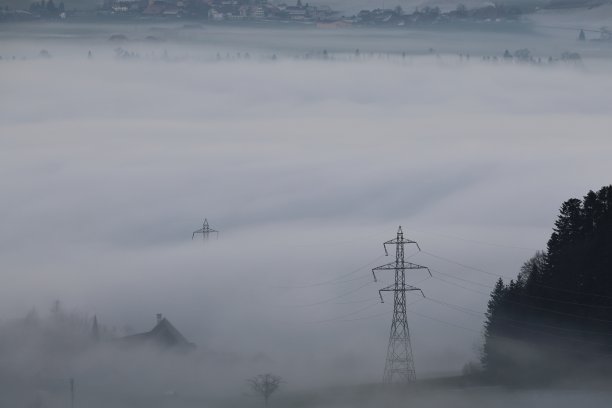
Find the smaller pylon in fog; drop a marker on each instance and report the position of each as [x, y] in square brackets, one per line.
[205, 231]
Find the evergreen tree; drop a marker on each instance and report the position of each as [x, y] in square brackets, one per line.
[492, 327]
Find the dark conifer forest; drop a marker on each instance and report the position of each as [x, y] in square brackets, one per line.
[555, 320]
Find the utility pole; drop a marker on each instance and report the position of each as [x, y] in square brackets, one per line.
[205, 231]
[399, 365]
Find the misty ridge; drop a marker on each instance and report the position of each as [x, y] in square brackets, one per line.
[305, 150]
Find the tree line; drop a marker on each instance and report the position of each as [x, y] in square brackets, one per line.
[47, 8]
[555, 319]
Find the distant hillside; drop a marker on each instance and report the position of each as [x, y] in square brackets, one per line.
[69, 4]
[350, 7]
[585, 17]
[346, 7]
[561, 4]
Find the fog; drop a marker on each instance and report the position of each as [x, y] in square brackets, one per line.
[305, 162]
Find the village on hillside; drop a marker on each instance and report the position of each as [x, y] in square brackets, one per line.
[300, 12]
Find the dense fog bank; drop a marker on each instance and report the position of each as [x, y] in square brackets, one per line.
[305, 166]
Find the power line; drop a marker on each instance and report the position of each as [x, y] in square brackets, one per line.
[376, 302]
[443, 321]
[560, 313]
[481, 314]
[369, 299]
[461, 286]
[364, 318]
[456, 307]
[343, 242]
[530, 306]
[326, 283]
[567, 302]
[350, 302]
[461, 279]
[474, 241]
[334, 281]
[465, 266]
[503, 337]
[335, 297]
[334, 319]
[379, 314]
[348, 292]
[506, 277]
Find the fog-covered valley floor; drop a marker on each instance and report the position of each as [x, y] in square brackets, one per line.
[306, 155]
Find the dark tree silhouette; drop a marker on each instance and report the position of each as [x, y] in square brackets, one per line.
[265, 385]
[492, 327]
[558, 312]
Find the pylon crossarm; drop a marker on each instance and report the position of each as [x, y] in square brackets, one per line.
[393, 288]
[202, 230]
[393, 266]
[389, 288]
[205, 230]
[407, 288]
[396, 241]
[399, 241]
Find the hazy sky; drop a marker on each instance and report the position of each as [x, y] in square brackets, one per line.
[305, 167]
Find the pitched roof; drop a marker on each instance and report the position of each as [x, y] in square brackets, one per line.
[164, 334]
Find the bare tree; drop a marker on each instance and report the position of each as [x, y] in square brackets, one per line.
[265, 385]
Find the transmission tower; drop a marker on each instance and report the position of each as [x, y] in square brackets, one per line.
[399, 365]
[205, 231]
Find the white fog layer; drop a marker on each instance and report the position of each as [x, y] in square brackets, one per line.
[306, 155]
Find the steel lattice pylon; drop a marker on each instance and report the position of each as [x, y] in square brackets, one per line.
[399, 365]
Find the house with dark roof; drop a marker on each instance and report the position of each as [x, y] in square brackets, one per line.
[164, 335]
